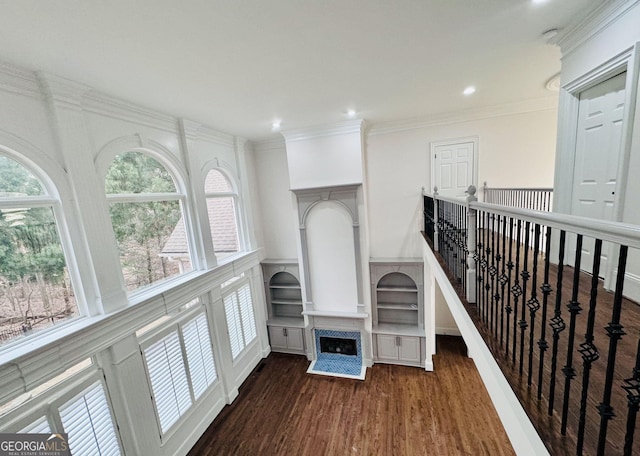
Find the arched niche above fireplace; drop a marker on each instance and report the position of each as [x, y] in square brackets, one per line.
[335, 207]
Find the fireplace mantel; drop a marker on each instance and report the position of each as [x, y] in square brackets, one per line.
[336, 314]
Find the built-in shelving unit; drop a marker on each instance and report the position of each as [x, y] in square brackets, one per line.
[284, 306]
[398, 312]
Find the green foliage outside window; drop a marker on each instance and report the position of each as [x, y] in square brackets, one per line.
[35, 291]
[142, 228]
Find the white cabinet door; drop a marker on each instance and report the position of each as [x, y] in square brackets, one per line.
[295, 339]
[387, 347]
[409, 349]
[277, 337]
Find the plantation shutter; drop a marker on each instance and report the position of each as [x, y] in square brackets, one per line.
[168, 379]
[87, 420]
[197, 343]
[246, 311]
[233, 324]
[40, 426]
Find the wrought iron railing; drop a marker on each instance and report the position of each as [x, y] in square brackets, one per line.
[536, 199]
[529, 276]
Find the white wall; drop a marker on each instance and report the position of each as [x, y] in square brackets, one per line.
[277, 205]
[325, 158]
[514, 150]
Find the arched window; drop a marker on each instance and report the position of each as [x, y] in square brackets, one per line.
[35, 286]
[223, 214]
[147, 217]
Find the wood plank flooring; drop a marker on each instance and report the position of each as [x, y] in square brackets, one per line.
[397, 410]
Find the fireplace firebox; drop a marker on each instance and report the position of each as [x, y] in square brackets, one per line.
[338, 345]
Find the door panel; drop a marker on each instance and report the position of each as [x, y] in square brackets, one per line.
[409, 349]
[295, 340]
[277, 338]
[454, 168]
[598, 147]
[387, 348]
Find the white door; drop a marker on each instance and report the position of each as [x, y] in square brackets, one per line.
[598, 147]
[453, 165]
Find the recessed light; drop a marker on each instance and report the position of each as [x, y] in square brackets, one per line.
[469, 90]
[537, 2]
[351, 113]
[275, 126]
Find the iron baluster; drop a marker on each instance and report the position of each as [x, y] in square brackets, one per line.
[587, 349]
[487, 285]
[533, 302]
[632, 387]
[503, 279]
[546, 290]
[522, 324]
[509, 309]
[492, 274]
[557, 323]
[574, 309]
[516, 290]
[615, 332]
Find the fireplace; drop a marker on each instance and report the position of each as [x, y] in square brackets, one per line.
[338, 354]
[338, 345]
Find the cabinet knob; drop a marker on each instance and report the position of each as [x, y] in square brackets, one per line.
[398, 341]
[284, 332]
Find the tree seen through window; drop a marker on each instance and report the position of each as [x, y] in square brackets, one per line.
[145, 210]
[35, 288]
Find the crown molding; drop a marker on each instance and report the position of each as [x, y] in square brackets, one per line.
[100, 103]
[592, 23]
[17, 80]
[508, 109]
[269, 145]
[335, 129]
[215, 136]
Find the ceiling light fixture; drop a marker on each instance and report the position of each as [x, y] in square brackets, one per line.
[275, 126]
[469, 90]
[538, 2]
[351, 113]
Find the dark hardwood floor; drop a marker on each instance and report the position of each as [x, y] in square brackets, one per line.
[397, 410]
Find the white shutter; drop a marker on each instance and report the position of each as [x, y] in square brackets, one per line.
[246, 312]
[40, 426]
[168, 379]
[233, 324]
[197, 343]
[87, 420]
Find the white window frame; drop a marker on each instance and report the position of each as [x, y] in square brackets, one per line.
[179, 195]
[50, 199]
[48, 404]
[158, 333]
[235, 291]
[234, 194]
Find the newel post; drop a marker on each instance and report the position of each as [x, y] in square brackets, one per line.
[471, 245]
[435, 219]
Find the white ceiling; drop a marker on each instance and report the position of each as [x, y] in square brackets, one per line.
[238, 64]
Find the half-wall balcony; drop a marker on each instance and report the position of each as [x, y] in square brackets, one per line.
[548, 303]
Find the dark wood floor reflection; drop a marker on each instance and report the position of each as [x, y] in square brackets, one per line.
[397, 410]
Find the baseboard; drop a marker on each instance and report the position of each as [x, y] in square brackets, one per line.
[231, 395]
[448, 332]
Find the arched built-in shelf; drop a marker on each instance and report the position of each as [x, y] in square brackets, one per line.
[285, 296]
